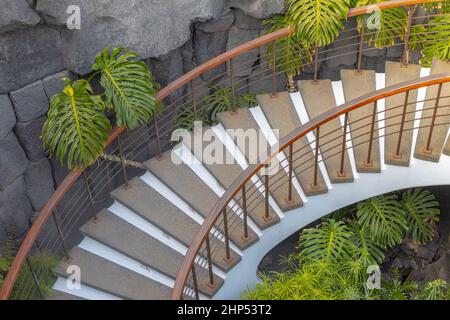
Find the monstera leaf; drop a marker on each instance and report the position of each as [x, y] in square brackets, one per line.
[329, 242]
[384, 218]
[385, 27]
[421, 212]
[318, 22]
[76, 128]
[129, 86]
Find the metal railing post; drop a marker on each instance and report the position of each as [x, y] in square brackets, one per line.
[194, 278]
[274, 68]
[411, 11]
[210, 271]
[227, 239]
[361, 45]
[233, 90]
[316, 159]
[244, 205]
[122, 162]
[433, 119]
[158, 139]
[35, 278]
[341, 172]
[372, 133]
[56, 219]
[402, 125]
[194, 102]
[90, 194]
[266, 191]
[291, 165]
[316, 65]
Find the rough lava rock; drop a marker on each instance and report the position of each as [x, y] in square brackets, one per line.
[242, 64]
[15, 209]
[54, 83]
[244, 21]
[7, 116]
[217, 25]
[39, 183]
[29, 134]
[28, 55]
[207, 46]
[13, 161]
[260, 9]
[16, 14]
[149, 27]
[30, 102]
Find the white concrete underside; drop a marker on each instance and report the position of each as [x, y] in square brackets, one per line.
[422, 173]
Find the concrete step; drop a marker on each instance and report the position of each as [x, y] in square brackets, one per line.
[226, 171]
[150, 205]
[442, 118]
[356, 85]
[123, 237]
[397, 73]
[243, 119]
[189, 187]
[319, 98]
[111, 278]
[282, 116]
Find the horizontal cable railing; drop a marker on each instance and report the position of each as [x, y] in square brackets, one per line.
[83, 193]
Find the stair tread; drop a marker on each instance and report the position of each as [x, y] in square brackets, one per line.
[360, 120]
[243, 119]
[167, 217]
[281, 115]
[443, 118]
[112, 278]
[397, 73]
[125, 238]
[188, 186]
[227, 172]
[319, 98]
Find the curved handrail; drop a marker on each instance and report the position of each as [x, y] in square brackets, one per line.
[72, 177]
[252, 170]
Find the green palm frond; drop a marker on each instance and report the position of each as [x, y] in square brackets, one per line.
[436, 42]
[330, 241]
[384, 218]
[397, 289]
[222, 100]
[76, 128]
[389, 28]
[422, 211]
[129, 86]
[291, 52]
[318, 22]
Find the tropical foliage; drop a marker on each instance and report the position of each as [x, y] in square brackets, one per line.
[220, 100]
[77, 126]
[42, 264]
[317, 21]
[335, 255]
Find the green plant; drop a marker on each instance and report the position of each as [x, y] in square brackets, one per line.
[384, 218]
[42, 262]
[222, 100]
[436, 290]
[129, 86]
[335, 256]
[291, 52]
[328, 242]
[422, 212]
[389, 28]
[317, 22]
[77, 128]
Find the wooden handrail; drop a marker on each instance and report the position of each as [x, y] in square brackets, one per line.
[72, 177]
[285, 142]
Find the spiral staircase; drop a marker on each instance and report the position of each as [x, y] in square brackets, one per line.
[135, 247]
[193, 229]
